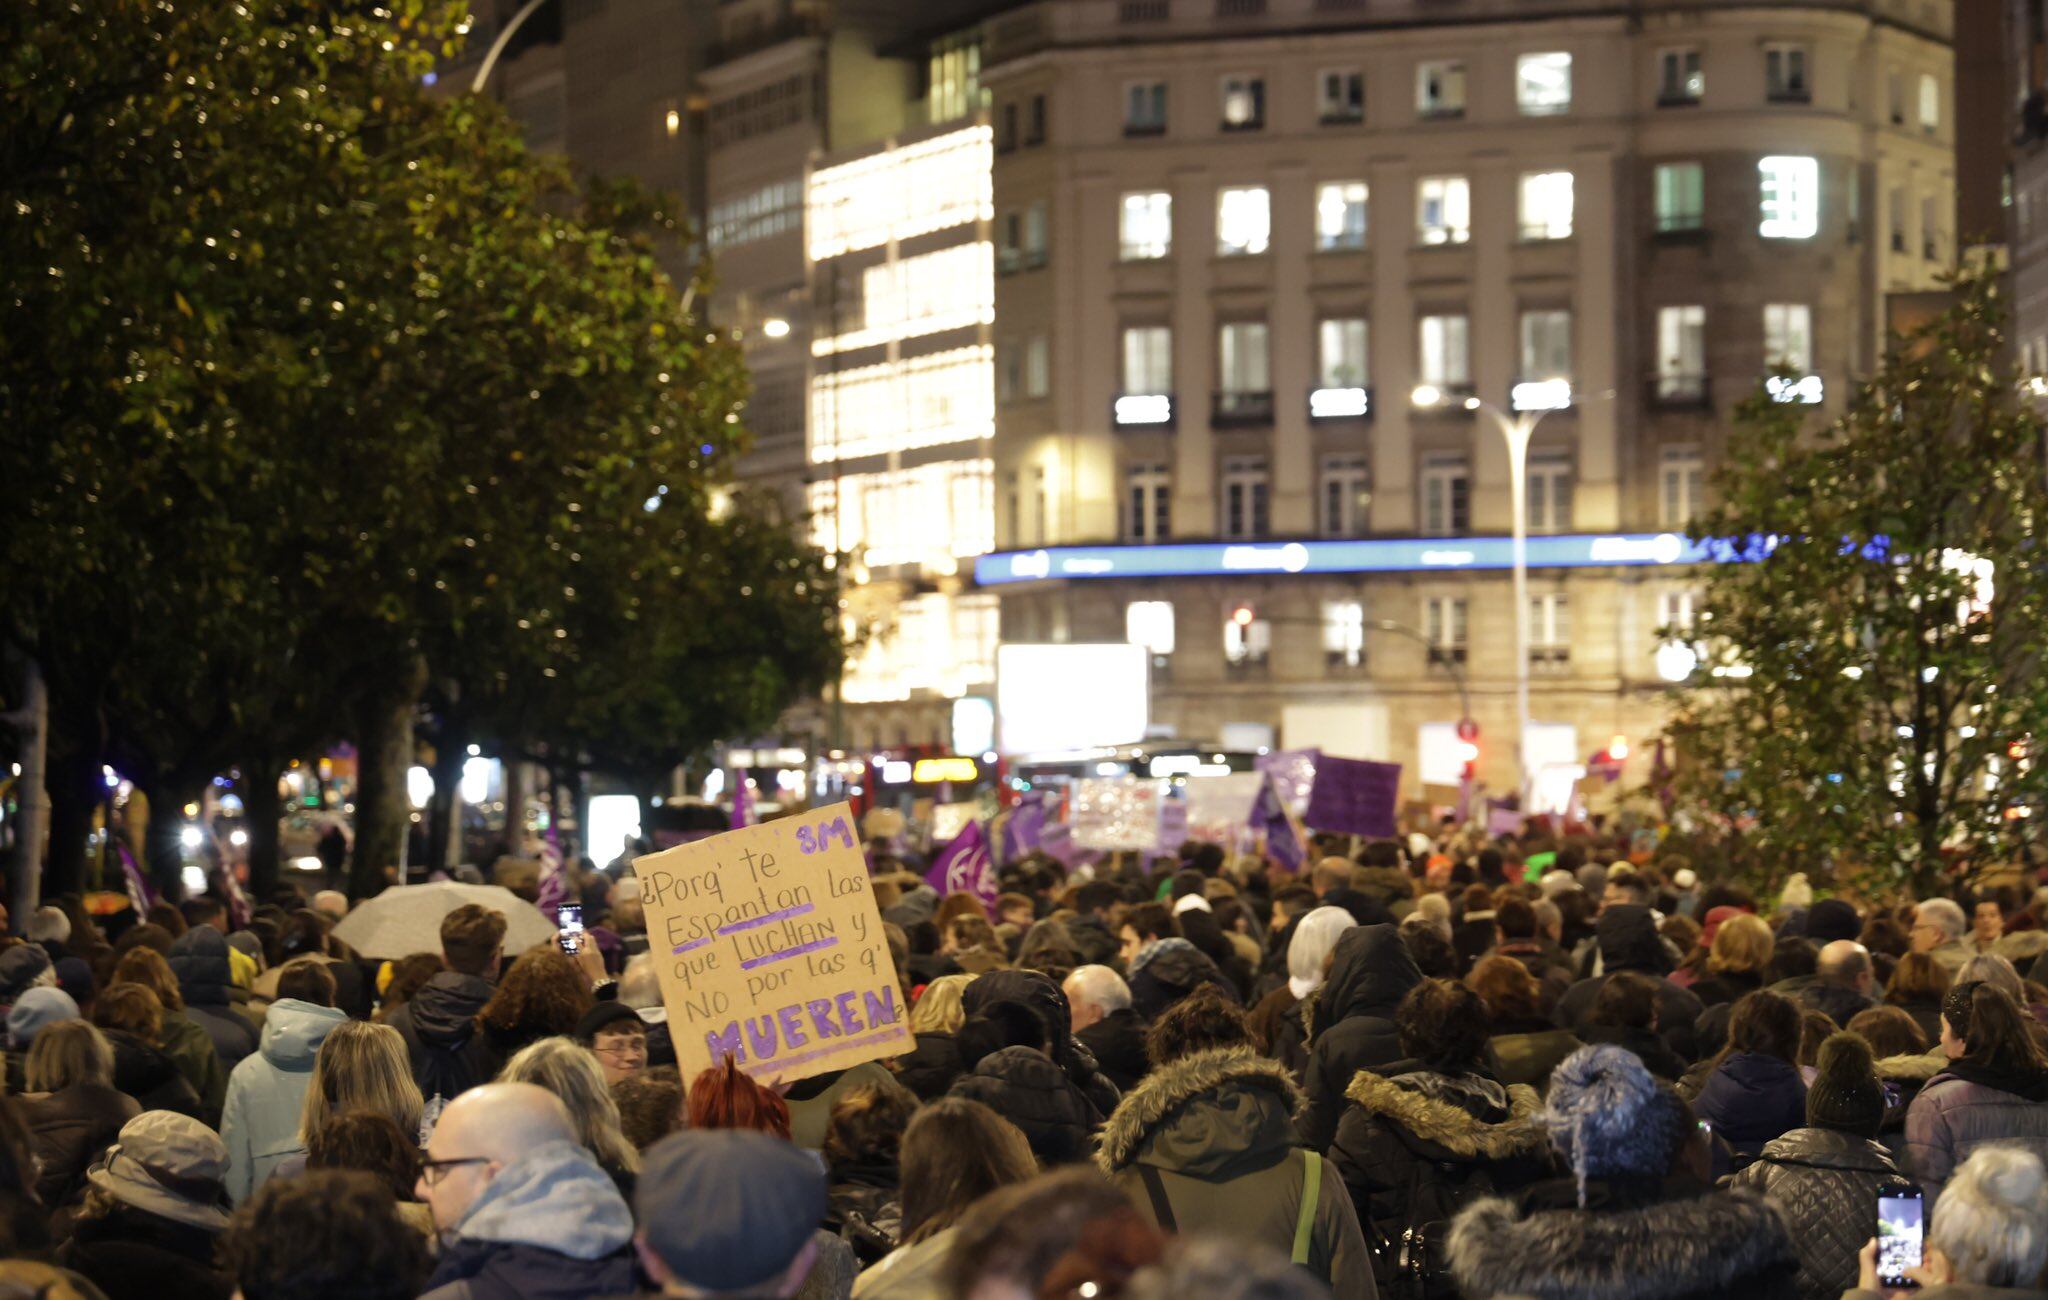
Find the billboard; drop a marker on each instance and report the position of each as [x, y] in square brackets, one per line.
[1059, 698]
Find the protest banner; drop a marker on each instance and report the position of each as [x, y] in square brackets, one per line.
[1354, 796]
[1117, 813]
[963, 867]
[1294, 775]
[769, 950]
[1220, 807]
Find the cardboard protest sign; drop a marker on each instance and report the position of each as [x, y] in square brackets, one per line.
[1353, 796]
[769, 950]
[1117, 813]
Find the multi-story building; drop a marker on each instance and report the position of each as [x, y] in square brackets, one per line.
[2026, 48]
[1274, 274]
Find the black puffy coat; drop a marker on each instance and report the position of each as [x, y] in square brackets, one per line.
[1166, 971]
[69, 1129]
[1352, 1023]
[1046, 1000]
[1117, 1041]
[199, 959]
[1029, 1089]
[1628, 941]
[1657, 1058]
[864, 1208]
[1825, 1185]
[146, 1074]
[448, 1053]
[930, 1068]
[134, 1255]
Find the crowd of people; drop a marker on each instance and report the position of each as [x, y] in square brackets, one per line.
[1426, 1070]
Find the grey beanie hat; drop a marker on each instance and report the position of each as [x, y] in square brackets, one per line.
[1609, 1117]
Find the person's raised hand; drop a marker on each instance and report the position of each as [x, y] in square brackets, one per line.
[587, 957]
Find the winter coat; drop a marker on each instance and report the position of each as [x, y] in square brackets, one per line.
[1960, 1291]
[1623, 1247]
[1043, 995]
[550, 1226]
[1650, 1049]
[1723, 987]
[1028, 1088]
[1167, 970]
[1353, 1022]
[864, 1209]
[1751, 1099]
[1824, 1184]
[1528, 1054]
[191, 1049]
[131, 1254]
[811, 1100]
[1903, 1077]
[438, 1025]
[69, 1129]
[930, 1068]
[1430, 1139]
[1839, 1002]
[1217, 1130]
[268, 1090]
[1955, 1114]
[909, 1272]
[1628, 941]
[1117, 1042]
[1093, 943]
[1927, 1015]
[146, 1074]
[199, 959]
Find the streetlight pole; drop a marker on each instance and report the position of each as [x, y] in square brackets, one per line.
[505, 33]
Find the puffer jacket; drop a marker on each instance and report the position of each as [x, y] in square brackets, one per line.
[438, 1025]
[1751, 1099]
[1045, 997]
[191, 1050]
[1217, 1130]
[1903, 1077]
[267, 1091]
[1824, 1183]
[1029, 1089]
[1622, 1246]
[864, 1209]
[930, 1068]
[1628, 941]
[1167, 970]
[550, 1226]
[69, 1129]
[1429, 1138]
[1352, 1025]
[1117, 1042]
[147, 1075]
[1955, 1114]
[199, 959]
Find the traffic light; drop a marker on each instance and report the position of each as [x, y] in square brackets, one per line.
[1468, 750]
[1242, 615]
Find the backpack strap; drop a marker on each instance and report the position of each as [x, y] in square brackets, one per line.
[1155, 1188]
[1311, 1192]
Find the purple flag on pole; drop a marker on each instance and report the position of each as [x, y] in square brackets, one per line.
[554, 882]
[1026, 826]
[1293, 772]
[139, 892]
[1270, 815]
[742, 802]
[963, 867]
[1354, 796]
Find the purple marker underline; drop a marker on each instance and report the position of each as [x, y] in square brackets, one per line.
[750, 923]
[797, 951]
[774, 1068]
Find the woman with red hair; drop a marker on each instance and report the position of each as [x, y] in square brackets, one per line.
[724, 1097]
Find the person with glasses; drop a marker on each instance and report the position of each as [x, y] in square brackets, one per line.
[522, 1208]
[617, 1035]
[1938, 926]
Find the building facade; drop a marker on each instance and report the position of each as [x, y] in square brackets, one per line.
[1258, 261]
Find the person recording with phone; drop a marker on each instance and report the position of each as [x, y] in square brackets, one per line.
[1988, 1239]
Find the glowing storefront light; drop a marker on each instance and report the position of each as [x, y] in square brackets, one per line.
[931, 515]
[936, 643]
[902, 193]
[925, 401]
[953, 288]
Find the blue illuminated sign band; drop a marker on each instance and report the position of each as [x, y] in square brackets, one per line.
[1403, 555]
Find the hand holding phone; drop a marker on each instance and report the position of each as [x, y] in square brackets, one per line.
[1901, 1234]
[570, 917]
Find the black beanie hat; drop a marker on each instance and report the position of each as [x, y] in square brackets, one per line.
[1845, 1094]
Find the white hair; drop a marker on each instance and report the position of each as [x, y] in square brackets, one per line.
[1554, 883]
[1315, 934]
[1992, 1218]
[638, 985]
[1945, 915]
[1098, 986]
[49, 925]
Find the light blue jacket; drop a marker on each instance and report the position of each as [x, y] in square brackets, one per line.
[550, 1226]
[267, 1090]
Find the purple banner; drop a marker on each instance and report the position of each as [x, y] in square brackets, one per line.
[1270, 816]
[742, 801]
[1025, 826]
[1502, 819]
[964, 868]
[1294, 774]
[1354, 796]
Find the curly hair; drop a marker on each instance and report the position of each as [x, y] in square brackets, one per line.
[1202, 1021]
[1506, 987]
[335, 1234]
[543, 995]
[1443, 1024]
[650, 1105]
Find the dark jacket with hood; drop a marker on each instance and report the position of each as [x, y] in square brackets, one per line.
[1167, 970]
[1216, 1129]
[1623, 1246]
[131, 1254]
[1429, 1138]
[1028, 1088]
[1628, 941]
[1117, 1042]
[930, 1068]
[1352, 1022]
[199, 959]
[1044, 997]
[449, 1056]
[1751, 1099]
[146, 1074]
[1824, 1182]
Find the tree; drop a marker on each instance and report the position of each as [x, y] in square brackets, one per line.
[1871, 699]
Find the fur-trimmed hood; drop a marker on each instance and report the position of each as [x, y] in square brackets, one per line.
[1716, 1244]
[1442, 1123]
[1202, 1113]
[1913, 1069]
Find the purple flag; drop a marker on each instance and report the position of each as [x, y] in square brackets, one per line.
[963, 867]
[1026, 826]
[1293, 772]
[1270, 815]
[1173, 826]
[742, 802]
[554, 883]
[139, 892]
[1354, 796]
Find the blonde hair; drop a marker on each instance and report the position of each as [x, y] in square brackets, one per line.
[362, 1067]
[939, 1010]
[567, 1069]
[1743, 943]
[69, 1052]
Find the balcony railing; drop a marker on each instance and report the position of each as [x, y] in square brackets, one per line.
[1238, 409]
[1011, 260]
[1679, 390]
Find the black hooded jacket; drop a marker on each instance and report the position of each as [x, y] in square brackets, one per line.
[199, 959]
[1045, 998]
[1353, 1022]
[1174, 969]
[449, 1056]
[1627, 935]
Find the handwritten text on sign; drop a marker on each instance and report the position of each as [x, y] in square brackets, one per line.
[770, 949]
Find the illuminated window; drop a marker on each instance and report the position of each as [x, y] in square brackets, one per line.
[929, 515]
[1681, 479]
[1680, 196]
[1785, 73]
[1344, 496]
[1550, 627]
[1037, 366]
[1548, 492]
[1340, 97]
[1546, 345]
[1682, 352]
[935, 644]
[1148, 359]
[1680, 79]
[1246, 645]
[1446, 497]
[1444, 360]
[1930, 101]
[1790, 190]
[1148, 508]
[1546, 205]
[901, 193]
[954, 76]
[1677, 609]
[1145, 225]
[953, 288]
[760, 214]
[1244, 220]
[1343, 633]
[1244, 103]
[1243, 486]
[1543, 84]
[1440, 88]
[1443, 624]
[1443, 209]
[1340, 215]
[1341, 353]
[1145, 108]
[925, 401]
[1242, 358]
[1149, 623]
[1788, 337]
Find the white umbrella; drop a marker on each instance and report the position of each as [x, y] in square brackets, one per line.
[406, 919]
